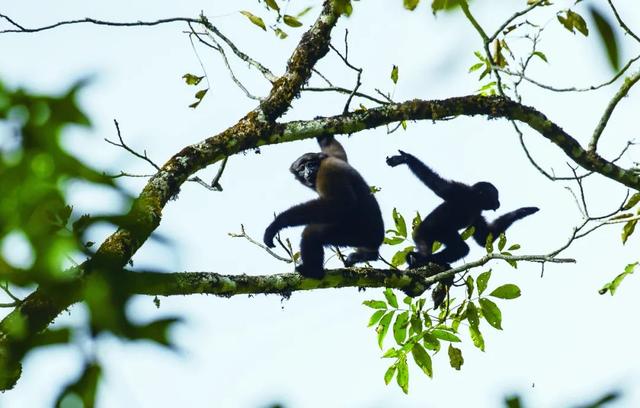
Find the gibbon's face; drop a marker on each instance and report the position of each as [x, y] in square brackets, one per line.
[487, 195]
[305, 168]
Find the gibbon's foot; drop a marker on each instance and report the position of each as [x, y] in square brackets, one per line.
[359, 257]
[416, 260]
[309, 272]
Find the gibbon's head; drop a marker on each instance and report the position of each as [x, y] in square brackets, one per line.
[487, 195]
[305, 168]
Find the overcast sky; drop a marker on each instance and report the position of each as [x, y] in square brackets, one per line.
[562, 343]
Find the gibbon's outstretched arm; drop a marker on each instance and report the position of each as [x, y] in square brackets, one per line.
[318, 211]
[500, 224]
[330, 146]
[445, 189]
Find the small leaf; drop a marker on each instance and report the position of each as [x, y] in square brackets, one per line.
[394, 74]
[491, 313]
[199, 95]
[612, 286]
[607, 37]
[508, 291]
[383, 327]
[191, 79]
[435, 246]
[476, 66]
[417, 220]
[470, 286]
[291, 21]
[628, 229]
[272, 5]
[514, 247]
[540, 55]
[391, 297]
[394, 241]
[281, 34]
[489, 243]
[400, 327]
[468, 233]
[375, 304]
[632, 202]
[445, 335]
[472, 315]
[430, 342]
[455, 357]
[411, 4]
[391, 353]
[304, 11]
[375, 317]
[254, 19]
[422, 359]
[476, 337]
[403, 375]
[502, 242]
[388, 376]
[400, 257]
[401, 225]
[482, 281]
[416, 324]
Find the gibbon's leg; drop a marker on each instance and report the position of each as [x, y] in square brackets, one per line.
[455, 248]
[362, 254]
[316, 236]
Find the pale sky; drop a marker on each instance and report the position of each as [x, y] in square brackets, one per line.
[562, 343]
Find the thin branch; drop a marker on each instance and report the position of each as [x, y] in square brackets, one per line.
[322, 76]
[243, 234]
[22, 29]
[622, 92]
[622, 24]
[345, 91]
[513, 17]
[123, 145]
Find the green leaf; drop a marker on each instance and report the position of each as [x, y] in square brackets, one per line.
[573, 20]
[422, 359]
[416, 324]
[391, 353]
[514, 247]
[476, 66]
[411, 4]
[394, 240]
[85, 387]
[272, 5]
[304, 11]
[468, 233]
[482, 281]
[508, 291]
[281, 34]
[491, 313]
[470, 286]
[612, 286]
[400, 327]
[401, 225]
[540, 55]
[388, 376]
[291, 21]
[632, 202]
[394, 74]
[476, 337]
[407, 300]
[191, 79]
[445, 335]
[400, 257]
[403, 375]
[455, 357]
[443, 5]
[391, 297]
[472, 315]
[417, 220]
[254, 19]
[607, 37]
[383, 327]
[375, 304]
[502, 242]
[199, 95]
[628, 229]
[430, 342]
[435, 246]
[488, 245]
[343, 7]
[375, 317]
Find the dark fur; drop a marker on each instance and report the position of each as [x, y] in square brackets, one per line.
[345, 214]
[462, 207]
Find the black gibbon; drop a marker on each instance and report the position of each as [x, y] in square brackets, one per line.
[345, 214]
[462, 207]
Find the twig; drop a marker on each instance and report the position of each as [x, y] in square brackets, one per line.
[513, 17]
[123, 145]
[345, 91]
[322, 76]
[244, 235]
[622, 92]
[622, 24]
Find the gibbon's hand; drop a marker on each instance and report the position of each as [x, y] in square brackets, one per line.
[402, 158]
[269, 234]
[525, 211]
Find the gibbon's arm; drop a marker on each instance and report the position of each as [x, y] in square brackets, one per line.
[329, 145]
[318, 211]
[500, 224]
[443, 188]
